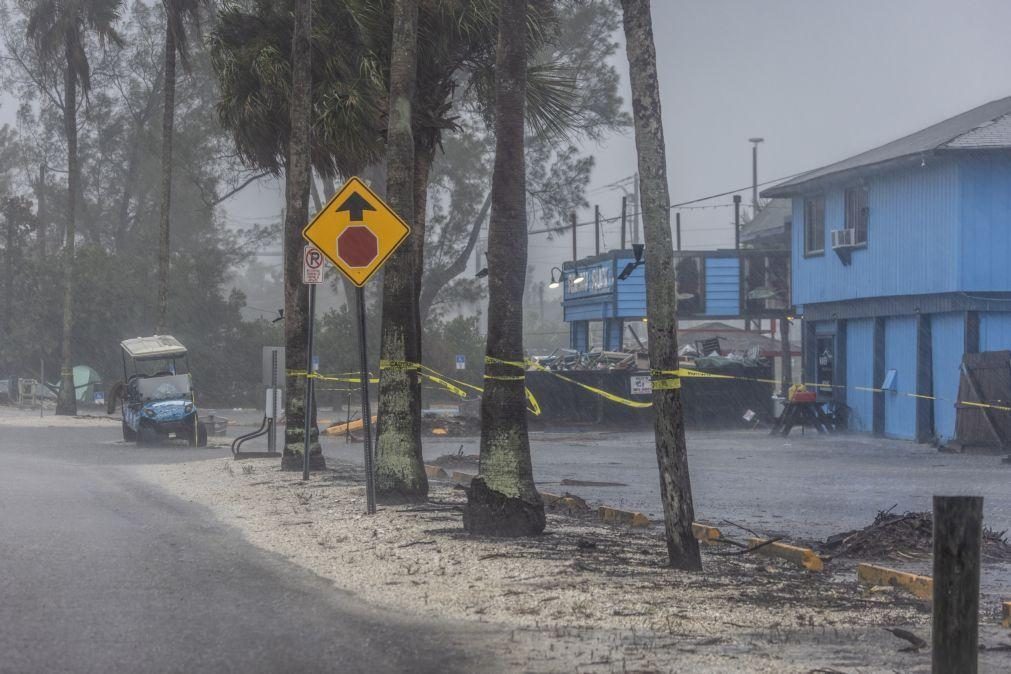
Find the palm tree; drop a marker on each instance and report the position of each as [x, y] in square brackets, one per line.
[298, 173]
[59, 30]
[400, 474]
[177, 14]
[502, 500]
[671, 450]
[267, 105]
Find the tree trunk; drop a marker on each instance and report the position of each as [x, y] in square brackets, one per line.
[66, 402]
[502, 499]
[671, 451]
[10, 216]
[296, 296]
[400, 470]
[40, 212]
[437, 279]
[166, 177]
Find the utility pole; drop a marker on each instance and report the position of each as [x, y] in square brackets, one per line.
[596, 229]
[573, 219]
[677, 230]
[737, 222]
[754, 174]
[624, 207]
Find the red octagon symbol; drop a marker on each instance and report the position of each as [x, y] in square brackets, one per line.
[357, 246]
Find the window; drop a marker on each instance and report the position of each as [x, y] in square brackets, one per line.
[814, 225]
[857, 213]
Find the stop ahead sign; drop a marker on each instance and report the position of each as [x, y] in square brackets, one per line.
[357, 231]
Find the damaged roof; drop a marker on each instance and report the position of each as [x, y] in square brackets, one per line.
[987, 127]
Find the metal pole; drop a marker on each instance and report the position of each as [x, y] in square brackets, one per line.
[370, 476]
[573, 219]
[624, 207]
[754, 179]
[677, 229]
[596, 229]
[787, 355]
[42, 381]
[635, 206]
[958, 525]
[272, 438]
[309, 383]
[737, 222]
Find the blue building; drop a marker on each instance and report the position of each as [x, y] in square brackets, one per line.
[901, 263]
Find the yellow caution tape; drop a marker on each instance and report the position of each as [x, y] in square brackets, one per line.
[593, 389]
[666, 384]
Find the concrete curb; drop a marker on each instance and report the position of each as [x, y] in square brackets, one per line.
[569, 502]
[805, 557]
[920, 586]
[461, 478]
[616, 516]
[436, 473]
[705, 533]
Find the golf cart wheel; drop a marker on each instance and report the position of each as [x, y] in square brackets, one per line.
[129, 435]
[146, 435]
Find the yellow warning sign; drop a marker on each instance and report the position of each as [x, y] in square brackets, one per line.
[357, 231]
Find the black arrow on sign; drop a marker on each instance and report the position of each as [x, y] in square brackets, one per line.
[356, 204]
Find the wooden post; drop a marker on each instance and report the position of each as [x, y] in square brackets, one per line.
[958, 525]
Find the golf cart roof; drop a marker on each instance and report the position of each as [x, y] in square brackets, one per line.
[156, 346]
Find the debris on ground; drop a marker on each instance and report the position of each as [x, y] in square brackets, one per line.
[456, 460]
[451, 427]
[904, 537]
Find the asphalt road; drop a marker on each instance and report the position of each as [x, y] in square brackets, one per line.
[99, 572]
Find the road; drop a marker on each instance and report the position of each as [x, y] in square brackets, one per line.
[103, 573]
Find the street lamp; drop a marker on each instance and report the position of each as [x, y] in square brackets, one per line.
[754, 173]
[579, 278]
[555, 280]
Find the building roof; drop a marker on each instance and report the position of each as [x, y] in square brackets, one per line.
[987, 127]
[769, 225]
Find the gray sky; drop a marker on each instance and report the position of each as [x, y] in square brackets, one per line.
[818, 80]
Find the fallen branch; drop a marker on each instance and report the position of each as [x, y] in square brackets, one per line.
[407, 545]
[761, 545]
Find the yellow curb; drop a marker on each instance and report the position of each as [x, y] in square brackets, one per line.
[615, 516]
[920, 586]
[550, 498]
[461, 478]
[705, 533]
[805, 557]
[341, 429]
[435, 472]
[1006, 614]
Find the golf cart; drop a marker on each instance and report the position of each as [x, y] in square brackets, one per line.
[158, 396]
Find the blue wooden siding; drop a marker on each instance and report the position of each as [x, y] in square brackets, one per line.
[632, 292]
[860, 373]
[723, 286]
[986, 222]
[995, 330]
[947, 344]
[912, 243]
[900, 355]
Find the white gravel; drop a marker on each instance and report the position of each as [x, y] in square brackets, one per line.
[584, 597]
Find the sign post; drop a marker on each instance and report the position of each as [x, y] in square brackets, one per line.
[312, 275]
[358, 246]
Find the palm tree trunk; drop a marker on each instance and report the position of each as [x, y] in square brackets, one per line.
[502, 499]
[296, 296]
[400, 471]
[66, 402]
[671, 450]
[166, 176]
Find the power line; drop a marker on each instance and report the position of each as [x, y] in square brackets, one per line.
[557, 230]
